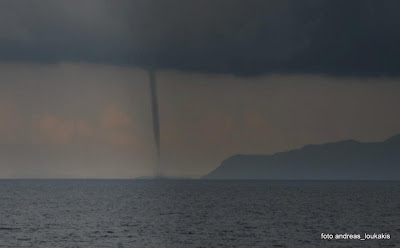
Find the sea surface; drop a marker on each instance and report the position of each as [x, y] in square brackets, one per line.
[196, 213]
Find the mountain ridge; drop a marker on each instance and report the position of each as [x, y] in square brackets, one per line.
[341, 160]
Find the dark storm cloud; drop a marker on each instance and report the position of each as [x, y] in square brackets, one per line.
[351, 38]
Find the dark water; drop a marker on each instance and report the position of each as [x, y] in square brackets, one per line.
[195, 213]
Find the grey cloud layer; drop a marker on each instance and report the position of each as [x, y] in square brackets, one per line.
[351, 38]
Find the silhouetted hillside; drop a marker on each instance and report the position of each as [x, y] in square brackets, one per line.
[340, 160]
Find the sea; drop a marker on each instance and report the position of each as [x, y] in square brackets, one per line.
[198, 213]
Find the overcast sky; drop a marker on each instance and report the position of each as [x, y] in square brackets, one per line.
[248, 77]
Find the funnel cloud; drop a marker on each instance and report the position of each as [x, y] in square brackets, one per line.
[156, 121]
